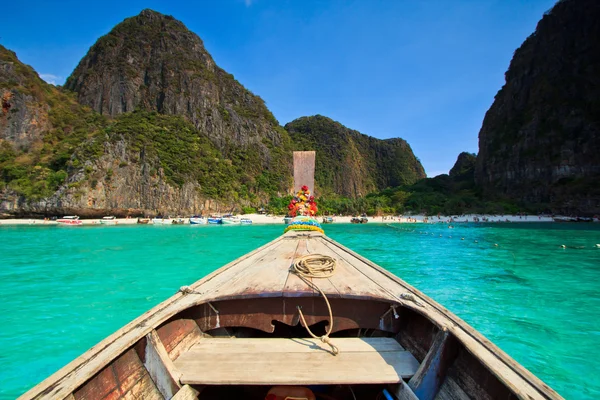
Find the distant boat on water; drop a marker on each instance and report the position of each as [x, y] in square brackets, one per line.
[287, 220]
[245, 221]
[178, 221]
[109, 220]
[327, 220]
[198, 220]
[69, 220]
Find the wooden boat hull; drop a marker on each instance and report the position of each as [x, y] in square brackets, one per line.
[194, 341]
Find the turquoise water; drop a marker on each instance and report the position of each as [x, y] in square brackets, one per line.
[63, 289]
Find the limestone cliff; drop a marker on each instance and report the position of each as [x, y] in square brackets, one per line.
[540, 140]
[350, 163]
[57, 156]
[24, 114]
[153, 62]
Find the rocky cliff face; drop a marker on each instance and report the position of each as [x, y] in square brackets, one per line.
[350, 163]
[147, 124]
[153, 62]
[24, 114]
[540, 140]
[197, 139]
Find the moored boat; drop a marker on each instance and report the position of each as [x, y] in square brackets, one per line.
[178, 221]
[245, 221]
[162, 221]
[229, 219]
[198, 220]
[69, 220]
[247, 329]
[215, 220]
[143, 221]
[108, 220]
[327, 220]
[287, 219]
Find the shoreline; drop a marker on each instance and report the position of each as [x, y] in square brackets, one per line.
[262, 219]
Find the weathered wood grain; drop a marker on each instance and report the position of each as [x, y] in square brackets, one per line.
[296, 361]
[160, 366]
[304, 170]
[186, 393]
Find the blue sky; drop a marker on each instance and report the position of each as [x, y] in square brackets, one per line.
[423, 70]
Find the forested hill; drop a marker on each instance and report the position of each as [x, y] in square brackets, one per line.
[147, 123]
[350, 163]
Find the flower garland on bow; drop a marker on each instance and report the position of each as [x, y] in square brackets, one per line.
[303, 203]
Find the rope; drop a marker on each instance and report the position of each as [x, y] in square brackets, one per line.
[316, 266]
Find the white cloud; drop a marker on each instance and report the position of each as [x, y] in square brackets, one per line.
[52, 79]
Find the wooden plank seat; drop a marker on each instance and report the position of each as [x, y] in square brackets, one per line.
[233, 361]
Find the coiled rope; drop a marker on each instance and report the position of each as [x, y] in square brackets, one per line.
[316, 266]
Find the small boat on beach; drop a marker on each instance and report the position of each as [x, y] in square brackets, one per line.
[162, 221]
[144, 221]
[178, 221]
[327, 220]
[215, 220]
[109, 220]
[198, 220]
[245, 221]
[69, 220]
[258, 326]
[229, 219]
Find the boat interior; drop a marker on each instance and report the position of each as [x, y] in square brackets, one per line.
[241, 332]
[245, 348]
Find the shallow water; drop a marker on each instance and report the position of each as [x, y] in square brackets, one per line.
[63, 289]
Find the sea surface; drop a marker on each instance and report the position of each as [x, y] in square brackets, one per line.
[63, 289]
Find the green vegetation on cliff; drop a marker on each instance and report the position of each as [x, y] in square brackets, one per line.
[35, 166]
[351, 164]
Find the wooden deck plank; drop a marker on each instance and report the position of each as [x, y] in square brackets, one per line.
[233, 282]
[299, 345]
[294, 286]
[347, 280]
[293, 361]
[270, 274]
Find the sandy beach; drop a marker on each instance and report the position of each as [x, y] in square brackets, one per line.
[278, 219]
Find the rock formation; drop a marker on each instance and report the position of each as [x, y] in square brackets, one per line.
[540, 140]
[147, 124]
[350, 163]
[153, 62]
